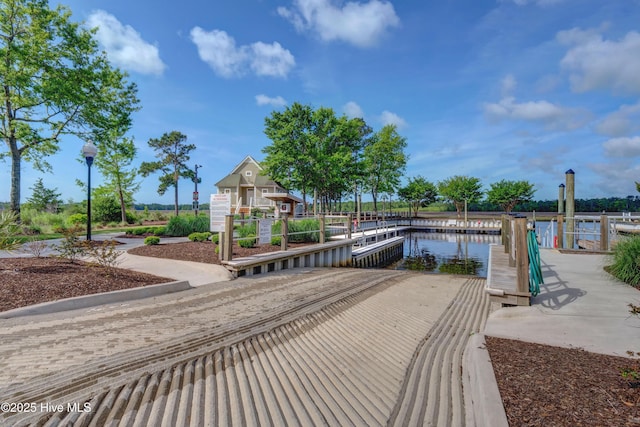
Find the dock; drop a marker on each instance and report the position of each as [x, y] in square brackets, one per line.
[502, 279]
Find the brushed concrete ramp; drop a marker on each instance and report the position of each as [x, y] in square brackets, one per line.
[309, 347]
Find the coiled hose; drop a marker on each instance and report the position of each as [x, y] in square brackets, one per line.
[535, 270]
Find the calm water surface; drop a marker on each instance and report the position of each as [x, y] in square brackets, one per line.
[448, 253]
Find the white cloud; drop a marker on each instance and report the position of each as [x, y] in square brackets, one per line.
[271, 59]
[552, 116]
[124, 45]
[623, 122]
[361, 24]
[622, 147]
[278, 101]
[219, 51]
[389, 118]
[596, 63]
[353, 110]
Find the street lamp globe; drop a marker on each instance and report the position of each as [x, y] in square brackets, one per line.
[89, 151]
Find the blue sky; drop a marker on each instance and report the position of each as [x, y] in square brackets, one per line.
[496, 89]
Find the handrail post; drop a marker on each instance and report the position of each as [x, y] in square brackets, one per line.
[349, 225]
[522, 255]
[560, 231]
[322, 228]
[604, 233]
[227, 244]
[285, 232]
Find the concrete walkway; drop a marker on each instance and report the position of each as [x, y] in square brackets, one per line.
[579, 306]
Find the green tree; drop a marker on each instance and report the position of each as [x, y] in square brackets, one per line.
[507, 194]
[289, 159]
[638, 186]
[173, 153]
[44, 199]
[384, 162]
[314, 151]
[460, 189]
[115, 155]
[418, 192]
[55, 81]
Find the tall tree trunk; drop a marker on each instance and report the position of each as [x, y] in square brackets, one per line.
[15, 178]
[123, 208]
[175, 185]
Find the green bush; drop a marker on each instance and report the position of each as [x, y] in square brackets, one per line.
[248, 241]
[247, 229]
[77, 219]
[151, 240]
[215, 238]
[159, 231]
[276, 241]
[178, 226]
[199, 224]
[626, 261]
[106, 209]
[199, 237]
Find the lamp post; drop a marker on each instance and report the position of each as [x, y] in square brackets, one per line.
[89, 151]
[195, 193]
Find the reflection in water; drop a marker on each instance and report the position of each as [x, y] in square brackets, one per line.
[447, 253]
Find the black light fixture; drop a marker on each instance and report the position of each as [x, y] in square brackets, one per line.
[89, 151]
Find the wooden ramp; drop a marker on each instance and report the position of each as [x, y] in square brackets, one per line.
[502, 279]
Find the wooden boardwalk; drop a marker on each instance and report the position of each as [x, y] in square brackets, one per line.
[502, 279]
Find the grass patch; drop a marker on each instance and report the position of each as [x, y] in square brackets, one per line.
[626, 261]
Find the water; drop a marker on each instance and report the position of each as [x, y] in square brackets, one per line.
[447, 253]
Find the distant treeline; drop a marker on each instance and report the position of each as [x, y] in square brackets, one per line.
[611, 204]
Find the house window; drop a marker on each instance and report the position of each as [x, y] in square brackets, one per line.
[227, 191]
[265, 190]
[248, 173]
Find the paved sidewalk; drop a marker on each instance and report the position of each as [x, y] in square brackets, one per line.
[579, 306]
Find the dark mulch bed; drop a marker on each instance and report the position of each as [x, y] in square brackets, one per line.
[201, 251]
[28, 281]
[551, 386]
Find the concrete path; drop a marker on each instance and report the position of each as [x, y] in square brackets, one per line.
[579, 306]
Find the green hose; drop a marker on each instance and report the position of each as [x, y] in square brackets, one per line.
[535, 271]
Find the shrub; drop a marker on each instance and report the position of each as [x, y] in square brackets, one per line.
[71, 248]
[35, 247]
[215, 238]
[159, 231]
[8, 230]
[199, 223]
[105, 253]
[151, 240]
[626, 261]
[77, 219]
[276, 241]
[199, 237]
[178, 226]
[247, 229]
[247, 242]
[32, 230]
[106, 209]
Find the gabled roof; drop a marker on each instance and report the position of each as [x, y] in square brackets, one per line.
[245, 160]
[235, 178]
